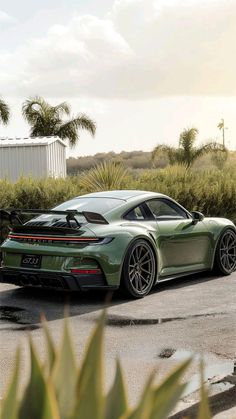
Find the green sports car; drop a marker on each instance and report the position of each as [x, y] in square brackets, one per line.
[106, 240]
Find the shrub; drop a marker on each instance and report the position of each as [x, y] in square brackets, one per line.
[36, 193]
[211, 191]
[61, 390]
[105, 176]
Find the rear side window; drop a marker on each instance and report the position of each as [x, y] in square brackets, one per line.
[163, 208]
[135, 214]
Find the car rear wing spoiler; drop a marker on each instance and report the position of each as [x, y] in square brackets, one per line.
[15, 215]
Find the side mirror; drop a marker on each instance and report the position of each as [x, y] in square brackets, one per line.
[197, 216]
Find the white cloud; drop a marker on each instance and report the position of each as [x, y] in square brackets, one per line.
[5, 18]
[141, 49]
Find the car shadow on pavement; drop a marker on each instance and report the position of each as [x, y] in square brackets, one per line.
[24, 306]
[185, 281]
[218, 403]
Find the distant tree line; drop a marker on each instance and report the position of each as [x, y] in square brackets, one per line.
[129, 159]
[187, 154]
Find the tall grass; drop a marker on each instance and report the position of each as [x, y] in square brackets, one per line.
[35, 193]
[211, 191]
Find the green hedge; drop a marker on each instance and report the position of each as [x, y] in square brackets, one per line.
[211, 191]
[36, 193]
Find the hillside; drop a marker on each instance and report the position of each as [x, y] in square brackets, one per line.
[137, 160]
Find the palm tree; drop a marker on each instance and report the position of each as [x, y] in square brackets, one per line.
[187, 153]
[4, 112]
[222, 128]
[46, 120]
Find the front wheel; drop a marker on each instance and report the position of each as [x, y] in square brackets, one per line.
[139, 269]
[225, 259]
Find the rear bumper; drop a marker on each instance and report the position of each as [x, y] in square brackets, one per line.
[53, 280]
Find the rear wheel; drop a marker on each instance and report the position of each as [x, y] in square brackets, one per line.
[139, 269]
[225, 260]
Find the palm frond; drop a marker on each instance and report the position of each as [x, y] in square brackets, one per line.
[33, 108]
[82, 121]
[211, 147]
[187, 138]
[187, 153]
[61, 109]
[46, 120]
[186, 145]
[69, 130]
[4, 112]
[221, 124]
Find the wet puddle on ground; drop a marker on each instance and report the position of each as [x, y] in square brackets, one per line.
[221, 375]
[122, 321]
[18, 319]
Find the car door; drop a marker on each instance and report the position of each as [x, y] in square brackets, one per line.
[183, 246]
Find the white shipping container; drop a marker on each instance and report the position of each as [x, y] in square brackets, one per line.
[37, 157]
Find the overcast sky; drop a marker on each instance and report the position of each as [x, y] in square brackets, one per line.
[143, 69]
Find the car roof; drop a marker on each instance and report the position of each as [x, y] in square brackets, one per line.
[124, 195]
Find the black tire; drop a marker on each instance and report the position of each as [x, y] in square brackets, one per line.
[139, 269]
[225, 257]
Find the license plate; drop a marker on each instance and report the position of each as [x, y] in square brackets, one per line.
[31, 261]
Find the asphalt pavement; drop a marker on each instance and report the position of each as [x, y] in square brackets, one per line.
[192, 316]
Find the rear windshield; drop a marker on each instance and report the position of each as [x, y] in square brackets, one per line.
[100, 205]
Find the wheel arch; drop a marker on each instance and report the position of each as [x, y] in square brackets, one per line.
[227, 227]
[151, 242]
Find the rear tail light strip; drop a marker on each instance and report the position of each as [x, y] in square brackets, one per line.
[86, 271]
[47, 238]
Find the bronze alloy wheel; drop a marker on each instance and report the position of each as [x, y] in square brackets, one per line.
[226, 252]
[139, 270]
